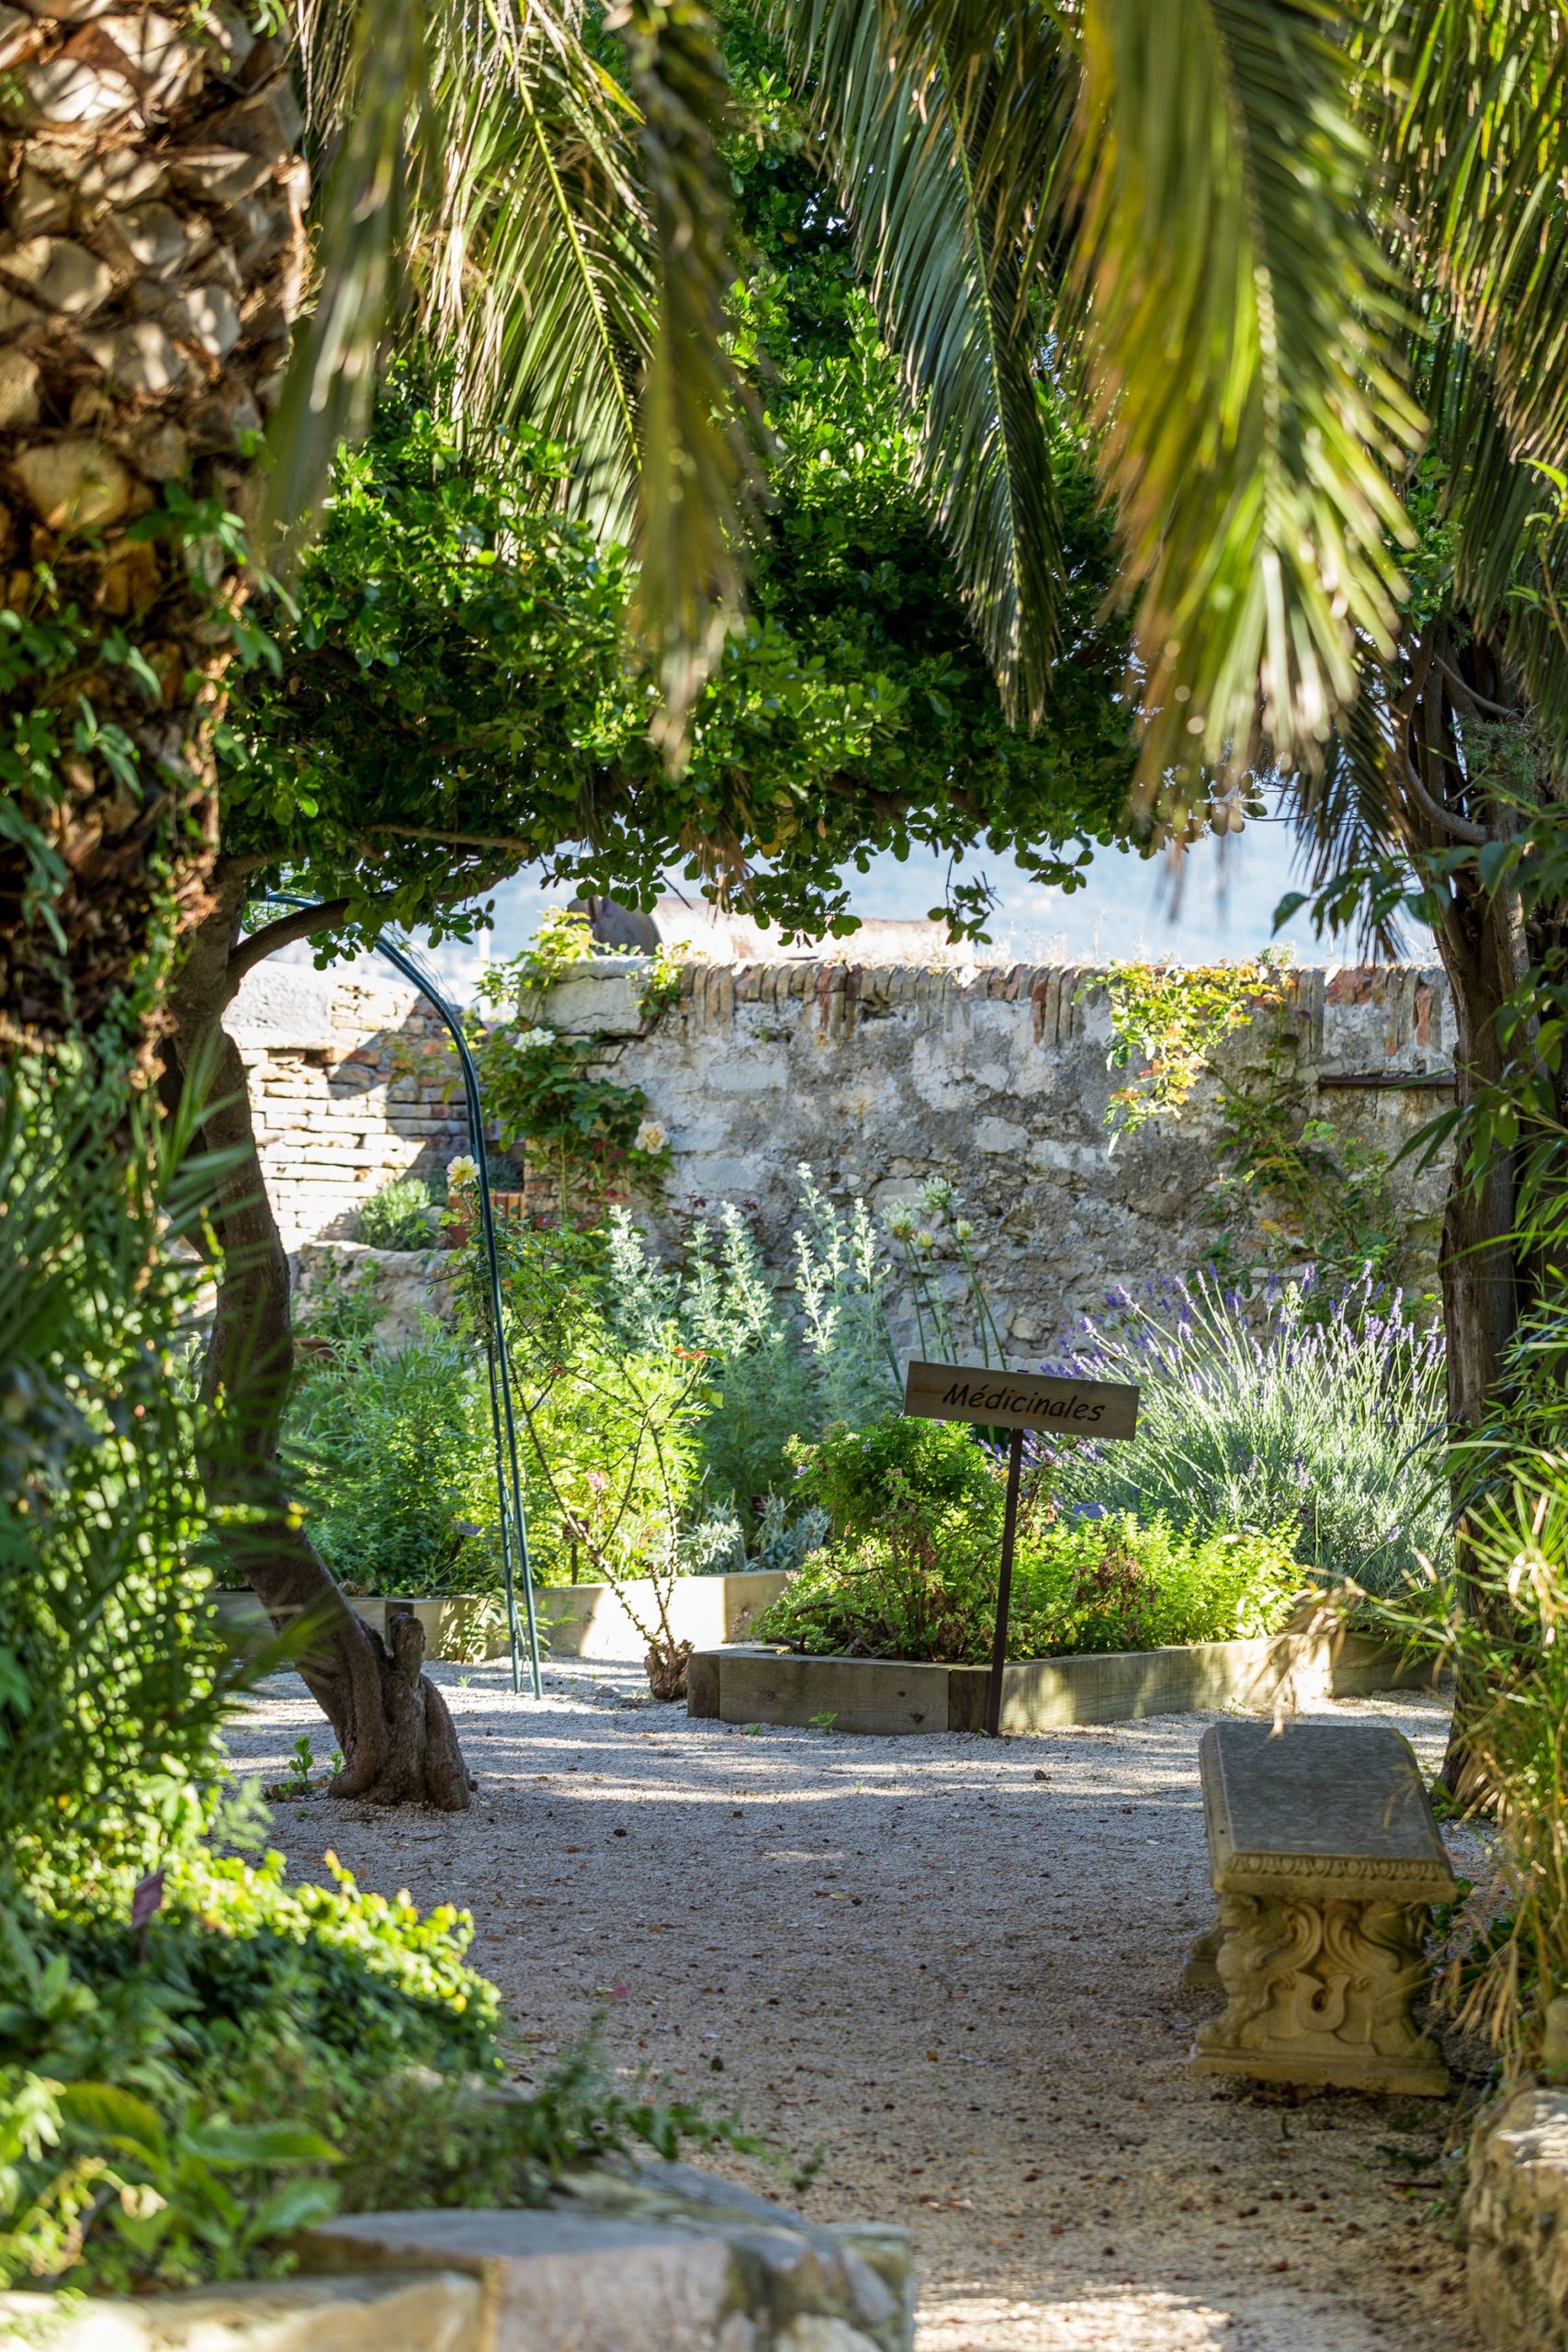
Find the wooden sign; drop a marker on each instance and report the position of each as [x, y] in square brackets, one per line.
[1016, 1401]
[1020, 1400]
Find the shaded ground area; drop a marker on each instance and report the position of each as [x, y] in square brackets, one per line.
[955, 1967]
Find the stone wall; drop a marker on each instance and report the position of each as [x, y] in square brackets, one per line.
[352, 1082]
[878, 1079]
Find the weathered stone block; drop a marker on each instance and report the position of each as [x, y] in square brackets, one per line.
[1516, 2217]
[556, 2281]
[756, 1683]
[605, 1001]
[1324, 1856]
[863, 1694]
[426, 2310]
[652, 2258]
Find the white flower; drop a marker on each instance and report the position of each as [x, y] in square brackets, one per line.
[650, 1137]
[464, 1169]
[531, 1039]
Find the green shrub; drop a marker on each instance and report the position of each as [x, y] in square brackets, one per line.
[393, 1457]
[861, 1477]
[913, 1566]
[1119, 1583]
[399, 1216]
[1107, 1584]
[142, 2080]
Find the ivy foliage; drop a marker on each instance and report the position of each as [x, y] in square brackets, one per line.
[549, 1089]
[458, 698]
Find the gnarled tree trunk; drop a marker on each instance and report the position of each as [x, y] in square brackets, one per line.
[397, 1737]
[150, 272]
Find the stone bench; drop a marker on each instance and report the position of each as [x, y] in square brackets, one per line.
[1326, 1858]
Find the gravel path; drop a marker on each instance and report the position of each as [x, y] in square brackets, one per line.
[955, 1967]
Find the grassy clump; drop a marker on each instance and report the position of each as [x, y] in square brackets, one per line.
[1324, 1412]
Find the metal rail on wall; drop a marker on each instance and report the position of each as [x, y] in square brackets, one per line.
[504, 1423]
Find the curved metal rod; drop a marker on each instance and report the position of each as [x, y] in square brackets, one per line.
[513, 1523]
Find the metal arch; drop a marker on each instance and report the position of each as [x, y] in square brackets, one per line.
[513, 1525]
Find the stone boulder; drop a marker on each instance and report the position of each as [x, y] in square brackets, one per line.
[652, 2259]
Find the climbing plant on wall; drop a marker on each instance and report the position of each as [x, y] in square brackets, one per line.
[1165, 1022]
[547, 1088]
[1294, 1191]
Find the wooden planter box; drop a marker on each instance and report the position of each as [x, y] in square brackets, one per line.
[753, 1683]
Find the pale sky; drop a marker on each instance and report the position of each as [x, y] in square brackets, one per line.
[1224, 914]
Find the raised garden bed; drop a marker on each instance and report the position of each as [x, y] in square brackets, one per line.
[575, 1620]
[752, 1682]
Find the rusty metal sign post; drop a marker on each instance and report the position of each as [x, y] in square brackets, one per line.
[1016, 1401]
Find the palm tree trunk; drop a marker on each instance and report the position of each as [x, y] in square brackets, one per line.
[148, 282]
[1488, 1279]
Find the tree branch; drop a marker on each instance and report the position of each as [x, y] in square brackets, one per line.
[456, 841]
[1462, 827]
[1478, 702]
[300, 922]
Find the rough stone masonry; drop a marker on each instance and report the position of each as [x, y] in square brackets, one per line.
[878, 1079]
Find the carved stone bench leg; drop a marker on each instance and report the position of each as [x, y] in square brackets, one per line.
[1201, 1973]
[1319, 1991]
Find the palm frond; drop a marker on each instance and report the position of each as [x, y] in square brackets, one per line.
[1240, 330]
[478, 166]
[918, 111]
[1507, 529]
[374, 67]
[1482, 146]
[697, 466]
[536, 274]
[1341, 810]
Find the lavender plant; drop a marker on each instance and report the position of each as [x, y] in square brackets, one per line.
[1256, 1413]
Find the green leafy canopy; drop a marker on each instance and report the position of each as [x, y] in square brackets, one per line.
[457, 700]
